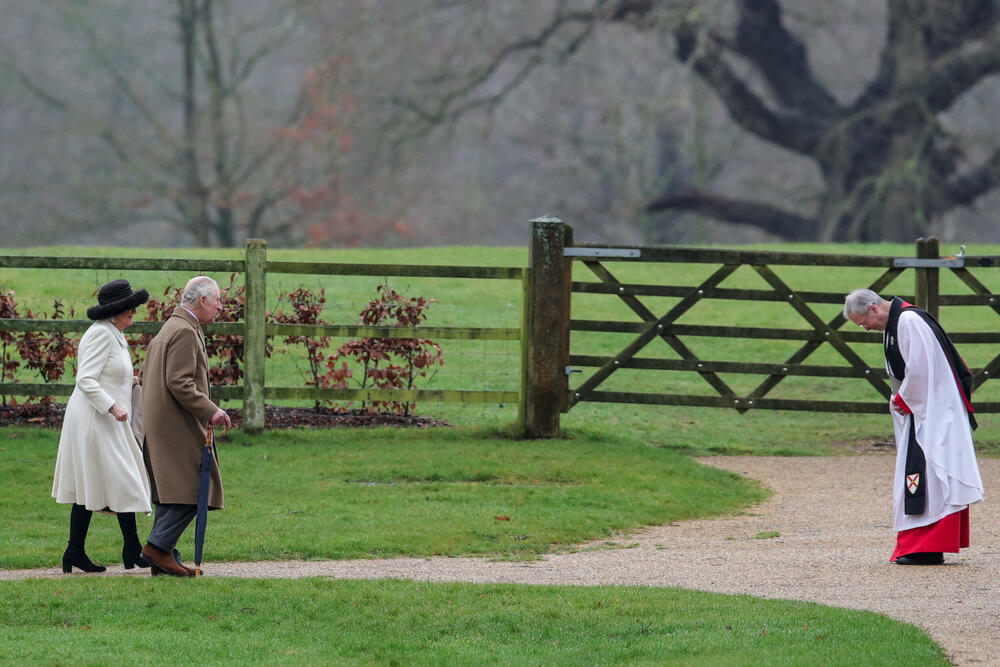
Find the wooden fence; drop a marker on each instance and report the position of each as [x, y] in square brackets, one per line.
[255, 329]
[553, 255]
[547, 288]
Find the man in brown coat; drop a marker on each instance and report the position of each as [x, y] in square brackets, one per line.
[176, 411]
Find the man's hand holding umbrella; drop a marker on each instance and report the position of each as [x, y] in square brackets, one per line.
[220, 417]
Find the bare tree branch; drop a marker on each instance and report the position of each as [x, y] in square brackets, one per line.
[772, 219]
[791, 130]
[30, 85]
[939, 28]
[278, 36]
[120, 145]
[456, 102]
[966, 188]
[952, 75]
[945, 27]
[125, 86]
[781, 59]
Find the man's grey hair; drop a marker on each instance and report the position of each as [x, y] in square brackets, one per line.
[196, 288]
[858, 301]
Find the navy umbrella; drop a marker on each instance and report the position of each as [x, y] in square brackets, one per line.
[204, 485]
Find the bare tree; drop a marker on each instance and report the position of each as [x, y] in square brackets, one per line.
[198, 140]
[890, 166]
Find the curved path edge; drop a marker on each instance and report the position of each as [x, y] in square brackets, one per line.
[833, 520]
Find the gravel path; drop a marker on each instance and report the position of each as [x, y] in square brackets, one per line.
[834, 521]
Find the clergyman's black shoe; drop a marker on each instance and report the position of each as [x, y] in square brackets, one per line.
[921, 558]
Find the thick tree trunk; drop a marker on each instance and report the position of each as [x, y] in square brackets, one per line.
[193, 202]
[889, 167]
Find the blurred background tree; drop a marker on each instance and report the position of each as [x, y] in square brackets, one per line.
[455, 121]
[890, 162]
[205, 118]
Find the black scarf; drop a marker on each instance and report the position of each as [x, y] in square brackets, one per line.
[914, 497]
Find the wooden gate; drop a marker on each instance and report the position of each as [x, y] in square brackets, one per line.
[650, 326]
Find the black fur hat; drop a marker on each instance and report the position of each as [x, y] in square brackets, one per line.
[116, 297]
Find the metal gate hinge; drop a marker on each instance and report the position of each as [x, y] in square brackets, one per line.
[600, 252]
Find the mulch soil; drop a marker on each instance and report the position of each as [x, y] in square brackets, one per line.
[51, 415]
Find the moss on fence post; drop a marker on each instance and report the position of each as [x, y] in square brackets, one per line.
[548, 333]
[928, 278]
[254, 340]
[522, 382]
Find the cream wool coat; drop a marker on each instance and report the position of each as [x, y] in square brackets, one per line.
[176, 409]
[99, 463]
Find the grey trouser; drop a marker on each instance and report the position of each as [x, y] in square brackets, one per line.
[168, 524]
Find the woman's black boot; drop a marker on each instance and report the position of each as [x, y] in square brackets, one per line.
[132, 549]
[75, 556]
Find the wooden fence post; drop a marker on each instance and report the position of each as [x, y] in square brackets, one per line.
[254, 337]
[522, 383]
[548, 327]
[928, 279]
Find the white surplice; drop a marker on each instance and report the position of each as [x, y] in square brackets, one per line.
[931, 391]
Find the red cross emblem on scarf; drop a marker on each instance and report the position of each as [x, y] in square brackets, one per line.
[912, 482]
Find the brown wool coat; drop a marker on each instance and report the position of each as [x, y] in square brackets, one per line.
[176, 410]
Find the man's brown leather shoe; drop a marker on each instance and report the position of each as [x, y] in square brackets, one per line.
[177, 559]
[163, 562]
[156, 571]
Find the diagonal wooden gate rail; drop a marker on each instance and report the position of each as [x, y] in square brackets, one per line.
[553, 255]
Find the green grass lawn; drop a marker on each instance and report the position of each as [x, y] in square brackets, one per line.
[378, 492]
[383, 492]
[362, 493]
[316, 621]
[357, 493]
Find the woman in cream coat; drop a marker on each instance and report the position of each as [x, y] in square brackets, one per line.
[99, 464]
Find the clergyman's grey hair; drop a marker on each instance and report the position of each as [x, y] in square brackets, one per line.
[857, 302]
[196, 288]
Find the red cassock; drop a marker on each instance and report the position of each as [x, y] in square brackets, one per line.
[945, 535]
